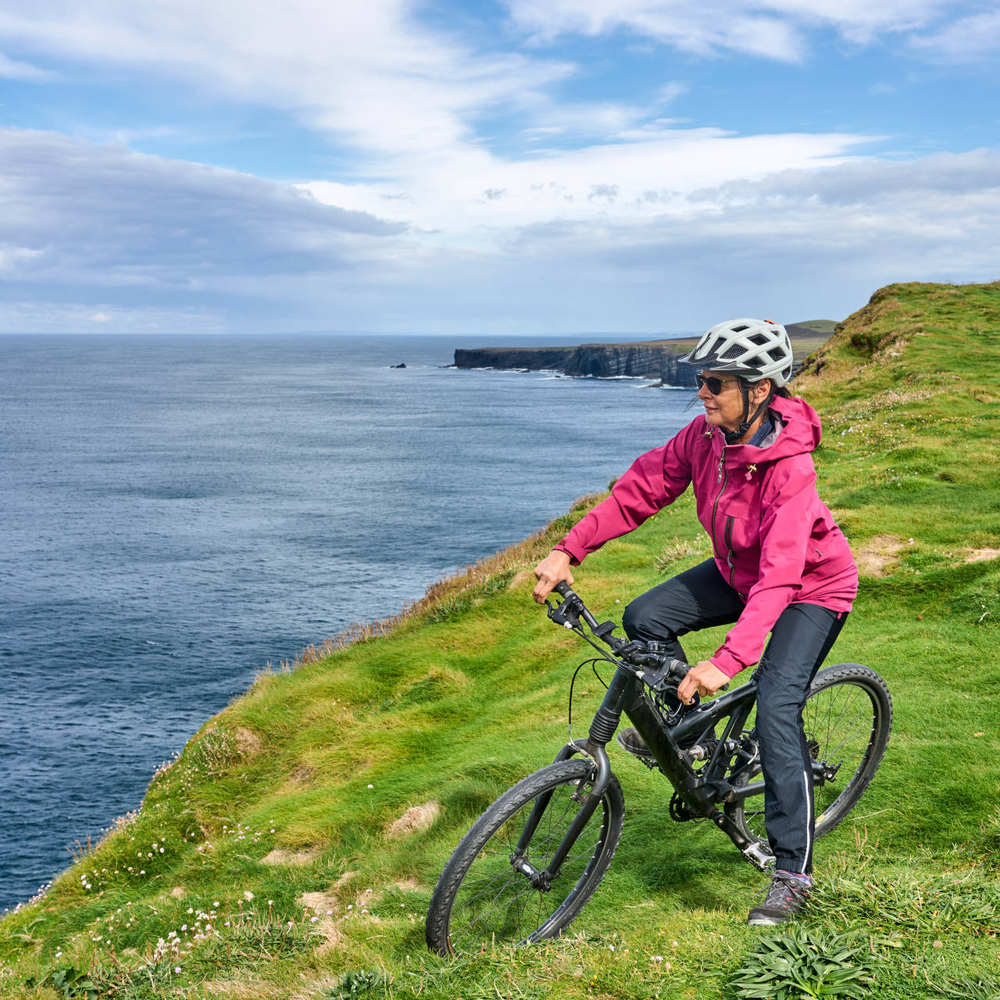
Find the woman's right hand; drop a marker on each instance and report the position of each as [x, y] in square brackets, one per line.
[553, 569]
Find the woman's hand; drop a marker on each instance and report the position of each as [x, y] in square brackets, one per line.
[553, 569]
[705, 678]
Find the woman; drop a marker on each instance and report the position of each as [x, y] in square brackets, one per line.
[779, 565]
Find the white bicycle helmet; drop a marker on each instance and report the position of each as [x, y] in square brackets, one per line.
[751, 348]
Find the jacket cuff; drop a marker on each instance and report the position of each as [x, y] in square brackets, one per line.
[726, 662]
[576, 556]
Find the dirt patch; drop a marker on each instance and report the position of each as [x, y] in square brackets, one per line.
[302, 775]
[981, 555]
[178, 892]
[522, 578]
[301, 857]
[879, 555]
[409, 885]
[324, 906]
[413, 820]
[249, 743]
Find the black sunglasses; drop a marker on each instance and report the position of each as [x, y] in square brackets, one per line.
[714, 384]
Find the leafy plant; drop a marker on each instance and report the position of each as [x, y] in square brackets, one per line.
[804, 964]
[356, 984]
[70, 983]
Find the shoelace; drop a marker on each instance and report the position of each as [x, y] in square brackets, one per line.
[782, 889]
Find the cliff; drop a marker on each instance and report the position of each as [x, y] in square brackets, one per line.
[643, 359]
[290, 851]
[652, 359]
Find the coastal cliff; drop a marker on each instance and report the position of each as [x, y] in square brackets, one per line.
[656, 359]
[291, 850]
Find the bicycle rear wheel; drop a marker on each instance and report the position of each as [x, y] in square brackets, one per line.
[481, 899]
[847, 719]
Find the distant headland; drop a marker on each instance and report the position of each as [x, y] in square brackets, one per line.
[655, 359]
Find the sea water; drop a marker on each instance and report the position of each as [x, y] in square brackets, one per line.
[179, 511]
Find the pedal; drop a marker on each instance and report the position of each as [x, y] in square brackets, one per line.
[760, 857]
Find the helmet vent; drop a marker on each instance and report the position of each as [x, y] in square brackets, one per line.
[758, 339]
[740, 329]
[733, 352]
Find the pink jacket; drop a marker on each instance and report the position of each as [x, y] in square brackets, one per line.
[773, 539]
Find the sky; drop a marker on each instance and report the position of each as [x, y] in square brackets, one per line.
[517, 167]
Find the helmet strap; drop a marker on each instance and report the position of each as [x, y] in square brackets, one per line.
[732, 437]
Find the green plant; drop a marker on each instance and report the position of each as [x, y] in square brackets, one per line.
[359, 983]
[970, 989]
[70, 983]
[803, 964]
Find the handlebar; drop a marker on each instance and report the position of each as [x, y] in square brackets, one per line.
[652, 665]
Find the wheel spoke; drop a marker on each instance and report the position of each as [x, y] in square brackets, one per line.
[494, 901]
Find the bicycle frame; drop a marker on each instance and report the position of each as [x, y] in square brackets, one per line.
[699, 790]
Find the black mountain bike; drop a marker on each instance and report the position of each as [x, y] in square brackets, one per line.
[531, 862]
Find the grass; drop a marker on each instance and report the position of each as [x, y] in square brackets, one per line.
[268, 860]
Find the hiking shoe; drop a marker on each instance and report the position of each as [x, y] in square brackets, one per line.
[630, 740]
[786, 896]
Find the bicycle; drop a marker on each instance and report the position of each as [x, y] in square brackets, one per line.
[533, 859]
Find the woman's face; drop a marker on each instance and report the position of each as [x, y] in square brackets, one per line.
[726, 409]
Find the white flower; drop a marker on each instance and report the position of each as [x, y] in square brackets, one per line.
[371, 786]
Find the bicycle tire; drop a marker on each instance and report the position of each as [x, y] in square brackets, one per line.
[481, 900]
[847, 719]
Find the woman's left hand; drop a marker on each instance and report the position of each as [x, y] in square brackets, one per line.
[705, 678]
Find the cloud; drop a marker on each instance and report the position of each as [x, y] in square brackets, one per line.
[102, 221]
[371, 73]
[967, 39]
[771, 29]
[12, 69]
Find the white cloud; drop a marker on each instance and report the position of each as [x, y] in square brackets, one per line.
[966, 39]
[12, 69]
[559, 184]
[773, 29]
[368, 72]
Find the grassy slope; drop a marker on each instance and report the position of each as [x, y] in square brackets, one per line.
[468, 693]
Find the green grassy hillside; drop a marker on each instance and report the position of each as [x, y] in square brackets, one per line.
[290, 851]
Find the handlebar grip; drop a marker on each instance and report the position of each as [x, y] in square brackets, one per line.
[679, 669]
[562, 588]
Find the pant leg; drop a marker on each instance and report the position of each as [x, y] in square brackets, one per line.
[800, 641]
[697, 598]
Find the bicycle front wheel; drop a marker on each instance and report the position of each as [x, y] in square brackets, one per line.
[482, 899]
[847, 719]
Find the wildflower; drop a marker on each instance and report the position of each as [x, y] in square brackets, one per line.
[371, 786]
[248, 895]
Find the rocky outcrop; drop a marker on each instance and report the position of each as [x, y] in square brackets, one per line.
[531, 359]
[652, 359]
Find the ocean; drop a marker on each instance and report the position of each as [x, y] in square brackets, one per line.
[179, 511]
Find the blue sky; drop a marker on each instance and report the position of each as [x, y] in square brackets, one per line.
[510, 167]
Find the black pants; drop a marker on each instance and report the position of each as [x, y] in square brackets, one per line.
[801, 638]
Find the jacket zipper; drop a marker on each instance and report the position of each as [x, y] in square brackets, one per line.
[723, 477]
[729, 545]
